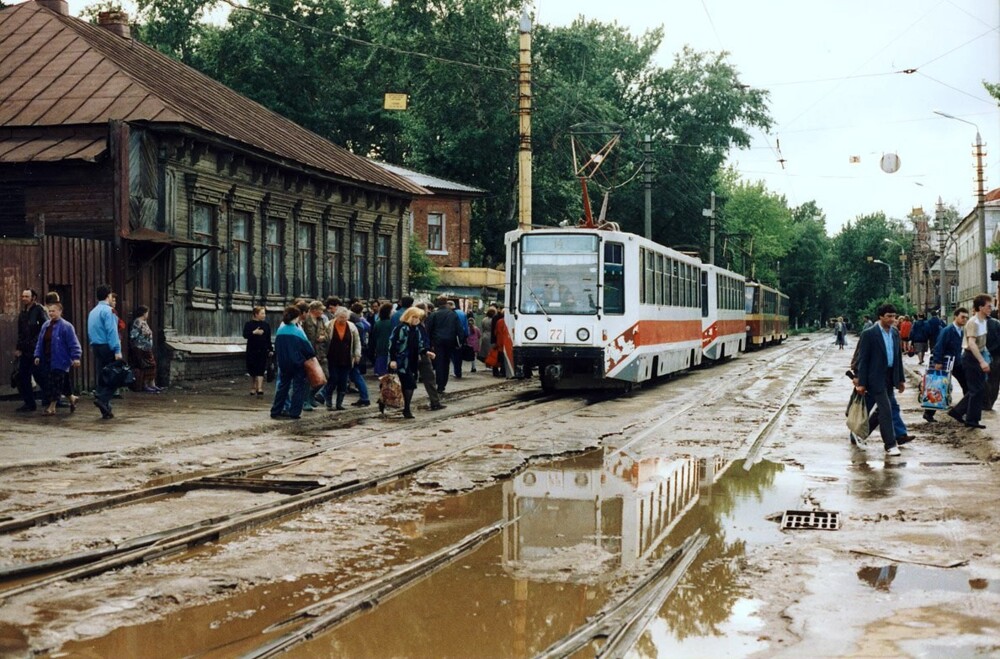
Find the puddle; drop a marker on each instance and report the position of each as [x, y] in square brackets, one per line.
[910, 578]
[577, 527]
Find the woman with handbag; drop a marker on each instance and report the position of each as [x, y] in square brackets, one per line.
[56, 351]
[292, 349]
[405, 350]
[259, 350]
[343, 354]
[142, 357]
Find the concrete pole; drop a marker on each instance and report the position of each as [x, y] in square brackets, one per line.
[981, 213]
[939, 220]
[524, 114]
[710, 214]
[647, 184]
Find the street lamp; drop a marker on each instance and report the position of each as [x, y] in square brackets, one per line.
[980, 198]
[902, 264]
[887, 266]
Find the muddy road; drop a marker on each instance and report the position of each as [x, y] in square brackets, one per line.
[511, 524]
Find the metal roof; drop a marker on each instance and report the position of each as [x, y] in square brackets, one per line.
[430, 182]
[51, 145]
[57, 70]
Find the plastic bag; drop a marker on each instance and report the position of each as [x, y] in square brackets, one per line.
[857, 416]
[390, 390]
[935, 390]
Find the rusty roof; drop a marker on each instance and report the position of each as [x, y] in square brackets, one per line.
[57, 70]
[51, 144]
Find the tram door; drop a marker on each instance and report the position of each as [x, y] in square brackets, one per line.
[704, 293]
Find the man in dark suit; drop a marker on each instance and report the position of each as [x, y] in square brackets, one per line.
[880, 368]
[949, 348]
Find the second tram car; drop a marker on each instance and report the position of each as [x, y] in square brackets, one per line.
[723, 322]
[766, 315]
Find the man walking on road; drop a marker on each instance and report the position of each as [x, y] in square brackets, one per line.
[445, 331]
[975, 364]
[29, 325]
[102, 330]
[949, 346]
[993, 345]
[880, 368]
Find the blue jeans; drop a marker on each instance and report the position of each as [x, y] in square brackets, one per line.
[359, 382]
[291, 389]
[898, 427]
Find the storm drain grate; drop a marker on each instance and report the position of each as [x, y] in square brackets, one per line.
[823, 520]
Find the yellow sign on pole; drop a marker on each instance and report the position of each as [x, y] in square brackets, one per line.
[394, 101]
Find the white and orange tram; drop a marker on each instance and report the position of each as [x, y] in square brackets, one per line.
[722, 310]
[604, 308]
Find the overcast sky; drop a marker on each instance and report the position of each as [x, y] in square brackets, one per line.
[833, 69]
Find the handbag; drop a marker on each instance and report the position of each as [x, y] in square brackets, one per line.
[117, 374]
[493, 358]
[314, 372]
[857, 416]
[272, 368]
[467, 352]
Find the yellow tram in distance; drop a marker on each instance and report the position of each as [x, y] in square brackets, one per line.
[766, 311]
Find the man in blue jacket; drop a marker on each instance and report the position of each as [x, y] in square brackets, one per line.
[102, 332]
[880, 368]
[949, 346]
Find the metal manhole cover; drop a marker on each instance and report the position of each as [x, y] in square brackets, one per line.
[823, 520]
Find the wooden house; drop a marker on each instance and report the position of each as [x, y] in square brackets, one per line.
[119, 164]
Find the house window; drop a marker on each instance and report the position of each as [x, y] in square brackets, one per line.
[274, 262]
[305, 257]
[382, 266]
[435, 232]
[334, 243]
[241, 252]
[360, 271]
[202, 230]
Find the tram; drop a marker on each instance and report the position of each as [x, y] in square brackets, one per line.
[766, 311]
[596, 307]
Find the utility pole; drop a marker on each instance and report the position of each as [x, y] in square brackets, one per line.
[647, 184]
[981, 212]
[939, 221]
[710, 214]
[524, 124]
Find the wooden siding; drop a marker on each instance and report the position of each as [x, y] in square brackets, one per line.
[73, 268]
[19, 269]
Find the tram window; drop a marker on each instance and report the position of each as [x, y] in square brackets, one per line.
[675, 282]
[643, 276]
[557, 274]
[614, 278]
[658, 279]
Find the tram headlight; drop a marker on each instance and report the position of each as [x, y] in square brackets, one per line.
[531, 333]
[583, 334]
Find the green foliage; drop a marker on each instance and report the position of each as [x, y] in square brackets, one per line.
[315, 63]
[757, 230]
[423, 275]
[803, 270]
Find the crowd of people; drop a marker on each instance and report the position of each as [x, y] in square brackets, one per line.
[48, 348]
[963, 349]
[416, 342]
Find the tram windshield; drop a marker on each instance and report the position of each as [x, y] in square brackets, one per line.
[558, 274]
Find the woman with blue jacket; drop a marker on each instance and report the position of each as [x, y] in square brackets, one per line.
[56, 351]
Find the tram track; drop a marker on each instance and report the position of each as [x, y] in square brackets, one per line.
[177, 541]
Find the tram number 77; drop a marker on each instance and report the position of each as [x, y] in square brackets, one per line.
[555, 335]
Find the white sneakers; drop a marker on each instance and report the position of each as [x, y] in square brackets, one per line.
[894, 451]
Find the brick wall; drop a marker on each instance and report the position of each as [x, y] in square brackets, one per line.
[456, 213]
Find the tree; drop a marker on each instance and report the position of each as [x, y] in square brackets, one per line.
[757, 229]
[423, 275]
[804, 269]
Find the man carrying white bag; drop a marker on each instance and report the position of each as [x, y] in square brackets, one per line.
[947, 350]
